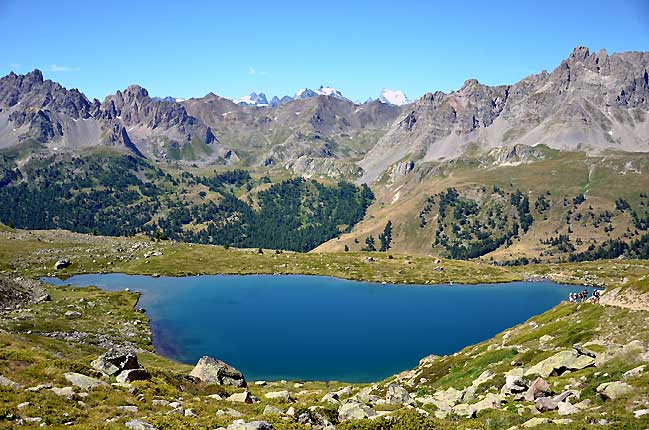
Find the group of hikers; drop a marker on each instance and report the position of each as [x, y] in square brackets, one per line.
[582, 297]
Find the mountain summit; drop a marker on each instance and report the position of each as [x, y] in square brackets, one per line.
[393, 97]
[590, 102]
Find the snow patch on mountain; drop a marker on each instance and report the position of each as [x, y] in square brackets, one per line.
[393, 97]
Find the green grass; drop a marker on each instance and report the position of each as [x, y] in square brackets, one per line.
[31, 359]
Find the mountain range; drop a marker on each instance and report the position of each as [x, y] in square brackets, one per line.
[589, 102]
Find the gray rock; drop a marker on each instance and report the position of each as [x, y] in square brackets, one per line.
[6, 382]
[536, 421]
[139, 425]
[243, 397]
[272, 410]
[613, 390]
[128, 408]
[116, 360]
[281, 395]
[636, 371]
[64, 391]
[355, 411]
[253, 425]
[82, 381]
[538, 388]
[73, 314]
[514, 384]
[567, 360]
[62, 264]
[330, 398]
[176, 411]
[229, 412]
[215, 371]
[640, 413]
[566, 408]
[545, 404]
[131, 375]
[397, 395]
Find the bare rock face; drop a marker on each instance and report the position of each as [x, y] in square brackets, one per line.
[591, 101]
[215, 371]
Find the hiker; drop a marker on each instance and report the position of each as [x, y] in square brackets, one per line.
[595, 297]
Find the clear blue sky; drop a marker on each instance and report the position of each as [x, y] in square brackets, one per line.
[189, 48]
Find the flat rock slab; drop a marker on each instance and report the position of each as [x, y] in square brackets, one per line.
[82, 381]
[561, 362]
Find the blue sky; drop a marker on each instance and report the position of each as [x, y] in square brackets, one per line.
[189, 48]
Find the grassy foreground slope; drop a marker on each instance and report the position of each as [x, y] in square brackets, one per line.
[39, 344]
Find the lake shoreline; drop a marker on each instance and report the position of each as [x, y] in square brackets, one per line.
[440, 320]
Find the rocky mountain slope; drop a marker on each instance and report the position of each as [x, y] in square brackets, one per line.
[42, 111]
[591, 101]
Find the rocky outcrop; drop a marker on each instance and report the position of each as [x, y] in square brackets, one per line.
[116, 360]
[591, 101]
[121, 363]
[215, 371]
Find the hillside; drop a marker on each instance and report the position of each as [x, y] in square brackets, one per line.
[525, 203]
[575, 366]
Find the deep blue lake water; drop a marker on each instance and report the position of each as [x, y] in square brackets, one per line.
[321, 328]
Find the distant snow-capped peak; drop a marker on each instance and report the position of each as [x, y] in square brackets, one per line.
[253, 99]
[393, 97]
[305, 93]
[329, 91]
[168, 99]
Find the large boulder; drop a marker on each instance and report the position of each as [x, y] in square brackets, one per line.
[115, 361]
[82, 381]
[215, 371]
[567, 360]
[538, 388]
[355, 411]
[397, 395]
[613, 390]
[514, 384]
[566, 408]
[490, 401]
